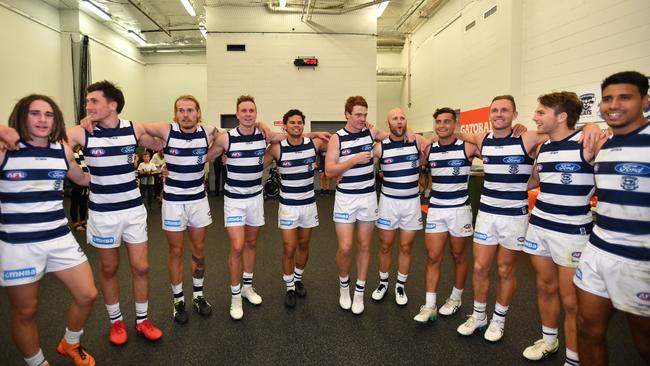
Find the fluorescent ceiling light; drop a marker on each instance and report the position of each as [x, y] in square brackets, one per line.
[204, 32]
[188, 7]
[283, 3]
[95, 9]
[381, 8]
[137, 37]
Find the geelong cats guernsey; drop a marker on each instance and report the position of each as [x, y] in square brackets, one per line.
[185, 157]
[31, 194]
[109, 157]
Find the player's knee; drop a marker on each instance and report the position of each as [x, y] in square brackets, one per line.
[140, 269]
[87, 297]
[405, 248]
[26, 313]
[546, 287]
[480, 269]
[459, 257]
[175, 251]
[588, 328]
[109, 270]
[506, 270]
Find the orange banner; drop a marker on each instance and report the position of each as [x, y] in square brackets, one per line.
[475, 120]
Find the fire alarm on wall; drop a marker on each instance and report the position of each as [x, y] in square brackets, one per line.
[305, 61]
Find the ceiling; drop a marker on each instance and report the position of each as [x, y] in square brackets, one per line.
[166, 25]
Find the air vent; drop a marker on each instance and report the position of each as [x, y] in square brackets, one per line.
[236, 47]
[490, 12]
[470, 25]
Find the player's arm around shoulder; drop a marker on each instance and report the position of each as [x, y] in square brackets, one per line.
[272, 153]
[75, 173]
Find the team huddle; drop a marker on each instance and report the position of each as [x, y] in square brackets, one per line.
[589, 269]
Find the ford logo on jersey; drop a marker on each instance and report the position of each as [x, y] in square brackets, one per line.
[259, 152]
[513, 159]
[15, 175]
[198, 151]
[645, 296]
[567, 167]
[56, 174]
[457, 162]
[128, 149]
[632, 169]
[366, 147]
[173, 151]
[412, 157]
[97, 151]
[309, 160]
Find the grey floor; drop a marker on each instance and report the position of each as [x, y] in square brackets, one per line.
[315, 332]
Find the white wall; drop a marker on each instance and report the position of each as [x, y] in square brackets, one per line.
[576, 43]
[33, 66]
[347, 61]
[526, 49]
[168, 76]
[389, 88]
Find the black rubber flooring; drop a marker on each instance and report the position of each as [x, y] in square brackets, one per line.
[317, 331]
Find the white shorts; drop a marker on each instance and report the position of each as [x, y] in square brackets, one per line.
[624, 281]
[291, 217]
[22, 264]
[564, 249]
[509, 231]
[456, 221]
[108, 229]
[399, 214]
[177, 216]
[348, 208]
[243, 211]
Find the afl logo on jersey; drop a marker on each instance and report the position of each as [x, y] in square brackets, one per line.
[345, 152]
[198, 152]
[128, 149]
[486, 160]
[97, 152]
[540, 167]
[645, 296]
[513, 159]
[433, 164]
[15, 175]
[173, 151]
[455, 162]
[388, 161]
[567, 167]
[235, 154]
[632, 169]
[56, 174]
[286, 164]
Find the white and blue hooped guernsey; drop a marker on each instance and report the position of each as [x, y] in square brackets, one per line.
[109, 157]
[507, 168]
[450, 170]
[31, 194]
[296, 168]
[360, 178]
[622, 173]
[245, 164]
[400, 165]
[185, 157]
[566, 184]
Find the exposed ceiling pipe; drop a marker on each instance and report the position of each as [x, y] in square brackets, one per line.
[408, 14]
[391, 72]
[304, 9]
[146, 14]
